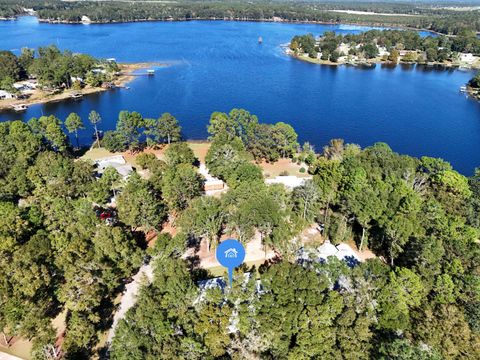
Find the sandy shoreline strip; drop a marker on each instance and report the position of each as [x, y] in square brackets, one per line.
[127, 71]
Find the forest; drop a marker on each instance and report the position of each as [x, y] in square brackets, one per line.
[436, 48]
[419, 298]
[410, 14]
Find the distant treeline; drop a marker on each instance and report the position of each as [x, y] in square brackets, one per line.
[420, 16]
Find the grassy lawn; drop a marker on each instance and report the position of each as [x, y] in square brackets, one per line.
[96, 153]
[200, 149]
[283, 166]
[217, 271]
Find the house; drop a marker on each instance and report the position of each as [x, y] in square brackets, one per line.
[322, 254]
[76, 79]
[19, 86]
[211, 184]
[86, 20]
[343, 49]
[290, 182]
[5, 95]
[25, 87]
[382, 51]
[467, 58]
[117, 162]
[231, 253]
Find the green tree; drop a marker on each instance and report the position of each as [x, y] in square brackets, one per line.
[73, 123]
[179, 153]
[129, 125]
[180, 184]
[49, 128]
[9, 66]
[139, 205]
[204, 219]
[286, 138]
[95, 119]
[164, 129]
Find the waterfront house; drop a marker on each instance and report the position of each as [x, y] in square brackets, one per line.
[467, 58]
[76, 79]
[4, 95]
[382, 51]
[343, 49]
[117, 162]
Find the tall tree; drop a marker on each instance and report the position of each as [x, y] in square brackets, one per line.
[73, 123]
[129, 125]
[204, 219]
[139, 205]
[164, 129]
[95, 119]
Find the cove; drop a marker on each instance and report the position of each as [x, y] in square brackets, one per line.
[219, 65]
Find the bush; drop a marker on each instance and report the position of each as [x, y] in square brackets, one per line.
[302, 170]
[284, 173]
[335, 56]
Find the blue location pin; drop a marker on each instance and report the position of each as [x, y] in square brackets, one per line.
[230, 254]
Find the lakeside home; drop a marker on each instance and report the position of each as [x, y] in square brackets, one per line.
[383, 46]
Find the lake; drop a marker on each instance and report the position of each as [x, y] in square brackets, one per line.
[219, 65]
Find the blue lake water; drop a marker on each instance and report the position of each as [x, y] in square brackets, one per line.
[216, 66]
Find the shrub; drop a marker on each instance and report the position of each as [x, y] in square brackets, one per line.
[302, 170]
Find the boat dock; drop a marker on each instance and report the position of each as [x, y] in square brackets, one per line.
[20, 107]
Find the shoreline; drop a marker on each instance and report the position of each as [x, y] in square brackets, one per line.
[39, 97]
[265, 20]
[371, 62]
[474, 93]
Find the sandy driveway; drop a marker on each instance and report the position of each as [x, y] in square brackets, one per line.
[129, 296]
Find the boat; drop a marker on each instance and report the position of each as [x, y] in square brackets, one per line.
[20, 107]
[260, 40]
[76, 96]
[150, 71]
[463, 89]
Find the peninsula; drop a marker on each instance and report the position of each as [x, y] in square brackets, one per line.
[49, 75]
[388, 46]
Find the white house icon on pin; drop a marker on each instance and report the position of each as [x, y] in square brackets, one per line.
[231, 253]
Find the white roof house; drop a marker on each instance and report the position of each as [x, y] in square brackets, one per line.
[288, 181]
[321, 254]
[5, 95]
[382, 50]
[117, 162]
[326, 249]
[343, 48]
[468, 58]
